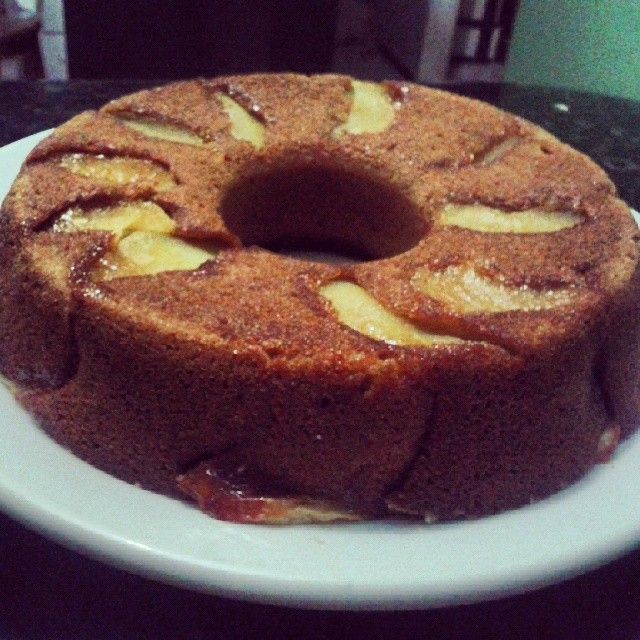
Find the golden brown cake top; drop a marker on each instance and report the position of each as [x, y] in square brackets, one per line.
[485, 238]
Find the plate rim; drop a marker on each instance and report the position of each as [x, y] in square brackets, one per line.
[132, 555]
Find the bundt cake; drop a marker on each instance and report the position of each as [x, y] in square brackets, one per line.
[479, 350]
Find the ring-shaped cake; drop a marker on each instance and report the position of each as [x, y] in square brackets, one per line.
[478, 353]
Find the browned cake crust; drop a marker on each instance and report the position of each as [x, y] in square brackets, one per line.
[243, 362]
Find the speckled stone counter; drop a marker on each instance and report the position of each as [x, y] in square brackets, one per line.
[48, 592]
[607, 129]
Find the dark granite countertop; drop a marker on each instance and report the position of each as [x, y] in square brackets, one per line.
[48, 592]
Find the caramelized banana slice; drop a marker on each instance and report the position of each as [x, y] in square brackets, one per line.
[143, 253]
[162, 131]
[477, 217]
[361, 312]
[243, 125]
[143, 245]
[119, 219]
[498, 151]
[372, 110]
[118, 171]
[225, 500]
[464, 291]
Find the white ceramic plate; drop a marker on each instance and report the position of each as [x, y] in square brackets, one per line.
[375, 565]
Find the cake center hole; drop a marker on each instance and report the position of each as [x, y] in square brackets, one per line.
[322, 213]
